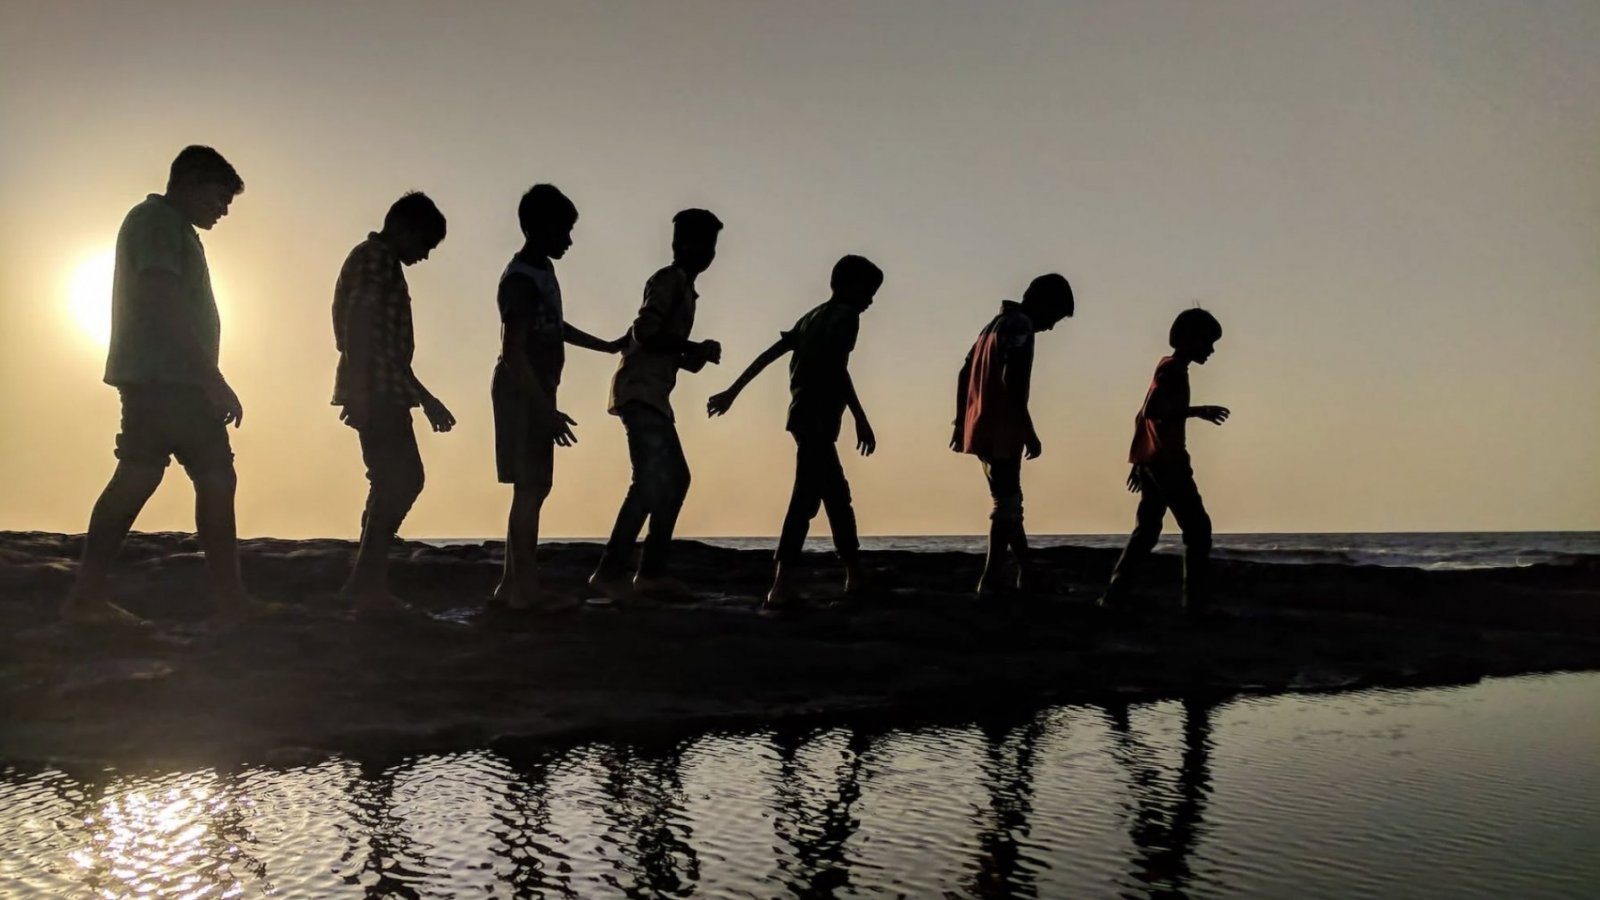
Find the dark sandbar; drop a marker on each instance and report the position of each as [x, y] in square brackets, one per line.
[312, 681]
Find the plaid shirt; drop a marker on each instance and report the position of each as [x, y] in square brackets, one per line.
[372, 322]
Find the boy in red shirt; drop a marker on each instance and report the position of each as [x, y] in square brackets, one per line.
[1161, 473]
[992, 419]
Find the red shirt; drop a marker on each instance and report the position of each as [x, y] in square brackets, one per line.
[1158, 429]
[993, 420]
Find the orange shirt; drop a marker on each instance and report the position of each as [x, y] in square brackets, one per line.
[1158, 429]
[994, 419]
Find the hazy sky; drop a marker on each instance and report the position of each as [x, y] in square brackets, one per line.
[1394, 209]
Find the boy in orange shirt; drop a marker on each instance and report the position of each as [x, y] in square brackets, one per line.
[992, 418]
[1162, 474]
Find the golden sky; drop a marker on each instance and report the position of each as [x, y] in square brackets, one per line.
[1394, 209]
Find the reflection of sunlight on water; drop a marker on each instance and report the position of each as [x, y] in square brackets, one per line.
[154, 842]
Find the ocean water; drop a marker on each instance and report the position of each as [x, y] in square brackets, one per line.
[1425, 550]
[1490, 790]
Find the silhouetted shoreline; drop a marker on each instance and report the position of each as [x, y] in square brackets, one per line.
[312, 681]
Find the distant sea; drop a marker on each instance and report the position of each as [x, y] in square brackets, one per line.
[1423, 550]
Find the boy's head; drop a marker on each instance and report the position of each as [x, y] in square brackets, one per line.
[855, 280]
[202, 185]
[1194, 335]
[694, 239]
[413, 227]
[547, 218]
[1047, 301]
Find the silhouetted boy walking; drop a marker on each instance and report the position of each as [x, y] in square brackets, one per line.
[1162, 474]
[820, 390]
[165, 340]
[376, 388]
[528, 424]
[641, 392]
[992, 419]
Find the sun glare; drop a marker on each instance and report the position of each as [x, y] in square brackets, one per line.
[89, 297]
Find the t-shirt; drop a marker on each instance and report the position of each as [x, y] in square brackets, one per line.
[993, 420]
[530, 294]
[1159, 428]
[155, 236]
[647, 375]
[820, 344]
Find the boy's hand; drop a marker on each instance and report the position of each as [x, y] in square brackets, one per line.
[1032, 447]
[955, 437]
[866, 441]
[354, 413]
[711, 352]
[225, 402]
[438, 416]
[620, 344]
[563, 430]
[1133, 480]
[721, 403]
[1216, 415]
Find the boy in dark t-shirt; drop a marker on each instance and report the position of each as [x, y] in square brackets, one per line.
[528, 425]
[1162, 474]
[992, 419]
[820, 390]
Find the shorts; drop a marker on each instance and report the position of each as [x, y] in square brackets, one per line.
[160, 421]
[524, 454]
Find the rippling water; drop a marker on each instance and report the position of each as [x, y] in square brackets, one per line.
[1484, 791]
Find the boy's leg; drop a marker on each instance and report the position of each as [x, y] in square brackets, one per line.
[804, 501]
[113, 515]
[1005, 521]
[834, 489]
[218, 532]
[527, 503]
[611, 574]
[672, 487]
[1190, 511]
[144, 448]
[395, 473]
[1146, 531]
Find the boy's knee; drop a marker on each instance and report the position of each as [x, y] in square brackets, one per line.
[1007, 508]
[220, 479]
[1197, 533]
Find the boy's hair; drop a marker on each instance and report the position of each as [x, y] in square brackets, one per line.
[855, 269]
[544, 205]
[695, 223]
[1194, 326]
[1052, 293]
[416, 211]
[201, 165]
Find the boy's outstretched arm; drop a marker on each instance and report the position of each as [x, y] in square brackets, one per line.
[577, 337]
[961, 404]
[721, 403]
[866, 441]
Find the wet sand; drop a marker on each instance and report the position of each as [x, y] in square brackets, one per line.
[313, 681]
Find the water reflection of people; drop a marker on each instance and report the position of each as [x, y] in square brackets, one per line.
[644, 809]
[527, 837]
[1165, 826]
[390, 862]
[812, 859]
[1007, 772]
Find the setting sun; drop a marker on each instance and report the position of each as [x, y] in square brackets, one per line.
[89, 297]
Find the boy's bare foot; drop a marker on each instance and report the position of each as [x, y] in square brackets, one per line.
[857, 583]
[782, 597]
[378, 605]
[613, 588]
[99, 611]
[238, 606]
[662, 587]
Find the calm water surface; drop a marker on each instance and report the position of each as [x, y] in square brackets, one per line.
[1484, 791]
